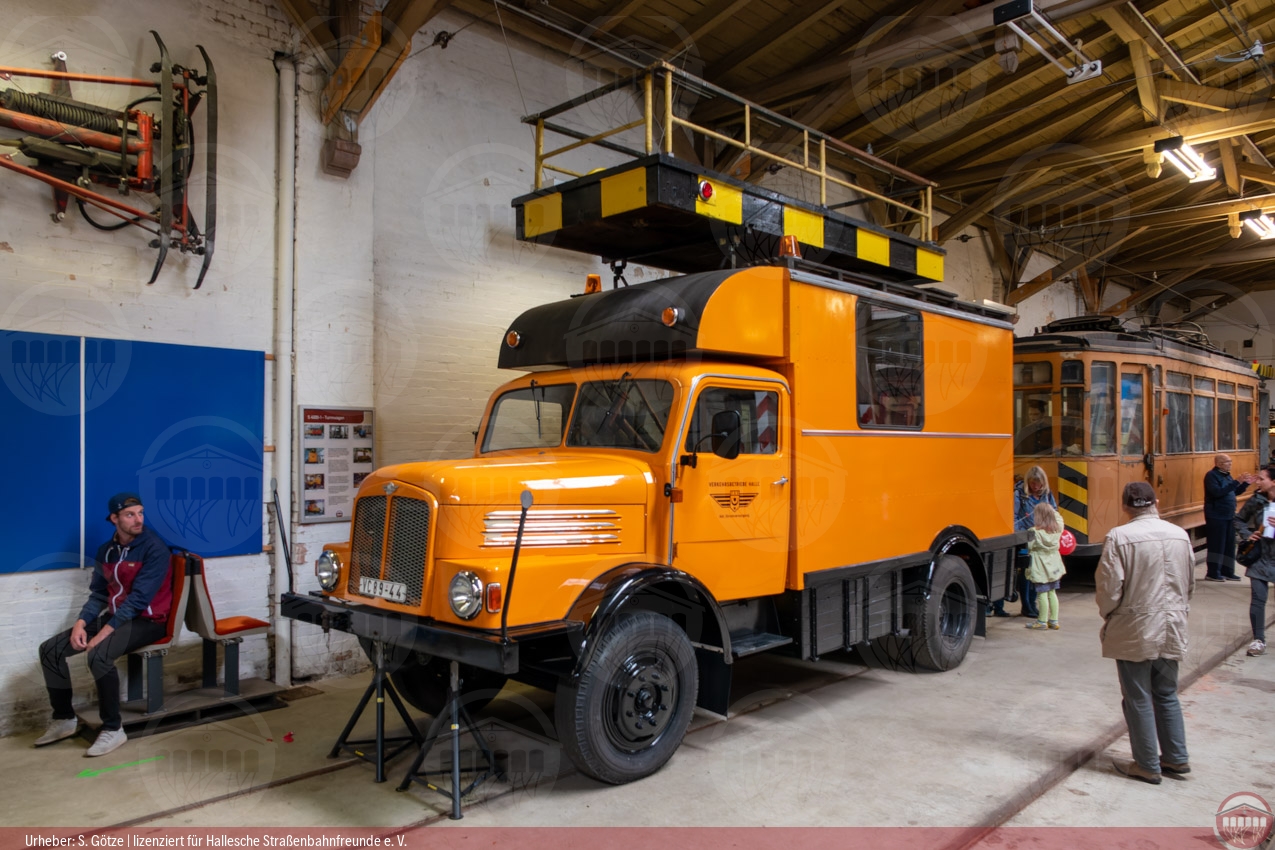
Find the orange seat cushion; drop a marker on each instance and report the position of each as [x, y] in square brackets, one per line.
[233, 625]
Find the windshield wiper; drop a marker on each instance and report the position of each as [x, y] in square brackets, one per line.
[539, 432]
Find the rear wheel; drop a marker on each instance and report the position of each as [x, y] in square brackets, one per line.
[944, 623]
[422, 679]
[629, 710]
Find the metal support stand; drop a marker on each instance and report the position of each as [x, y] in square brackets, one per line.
[378, 687]
[153, 663]
[454, 711]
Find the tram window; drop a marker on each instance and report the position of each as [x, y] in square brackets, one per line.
[1224, 388]
[1073, 421]
[1225, 422]
[1203, 423]
[1072, 372]
[1031, 374]
[1033, 423]
[1102, 408]
[1204, 385]
[1245, 391]
[1178, 381]
[1131, 414]
[1177, 426]
[1244, 415]
[889, 384]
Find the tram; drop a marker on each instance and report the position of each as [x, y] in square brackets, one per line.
[1098, 405]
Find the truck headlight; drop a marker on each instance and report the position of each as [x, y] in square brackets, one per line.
[327, 569]
[466, 595]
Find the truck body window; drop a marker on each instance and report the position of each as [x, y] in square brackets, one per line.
[622, 414]
[890, 367]
[758, 415]
[532, 417]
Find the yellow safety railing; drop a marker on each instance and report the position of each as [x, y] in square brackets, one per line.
[820, 155]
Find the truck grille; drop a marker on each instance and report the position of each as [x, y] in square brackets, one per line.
[405, 559]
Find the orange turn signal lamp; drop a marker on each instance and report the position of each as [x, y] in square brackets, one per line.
[513, 339]
[671, 316]
[495, 598]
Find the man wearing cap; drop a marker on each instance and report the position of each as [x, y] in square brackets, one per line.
[129, 598]
[1145, 579]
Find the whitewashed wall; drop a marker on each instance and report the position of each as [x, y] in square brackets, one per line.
[71, 279]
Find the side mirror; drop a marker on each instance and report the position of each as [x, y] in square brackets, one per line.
[726, 427]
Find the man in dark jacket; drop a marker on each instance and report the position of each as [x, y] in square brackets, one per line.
[130, 595]
[1220, 490]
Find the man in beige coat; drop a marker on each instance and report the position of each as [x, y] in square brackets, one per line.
[1145, 579]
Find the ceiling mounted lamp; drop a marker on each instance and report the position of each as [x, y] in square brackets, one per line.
[1186, 159]
[1031, 26]
[1259, 222]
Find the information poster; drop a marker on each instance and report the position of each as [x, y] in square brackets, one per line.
[336, 455]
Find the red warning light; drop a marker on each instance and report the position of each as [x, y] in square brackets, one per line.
[705, 190]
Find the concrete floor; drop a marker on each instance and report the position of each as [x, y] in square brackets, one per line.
[1020, 734]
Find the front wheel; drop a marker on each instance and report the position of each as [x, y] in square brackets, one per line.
[629, 710]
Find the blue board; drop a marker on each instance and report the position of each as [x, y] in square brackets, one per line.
[183, 429]
[40, 431]
[180, 425]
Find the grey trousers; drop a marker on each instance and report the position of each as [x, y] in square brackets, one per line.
[1152, 712]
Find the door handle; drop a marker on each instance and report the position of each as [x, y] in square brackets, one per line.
[782, 481]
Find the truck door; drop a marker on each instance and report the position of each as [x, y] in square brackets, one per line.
[731, 525]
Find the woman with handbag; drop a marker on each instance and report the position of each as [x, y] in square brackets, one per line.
[1256, 521]
[1029, 493]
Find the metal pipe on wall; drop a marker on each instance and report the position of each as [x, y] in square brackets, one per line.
[284, 365]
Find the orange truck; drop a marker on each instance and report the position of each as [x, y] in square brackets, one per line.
[784, 458]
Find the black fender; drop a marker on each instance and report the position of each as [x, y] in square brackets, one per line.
[959, 541]
[662, 590]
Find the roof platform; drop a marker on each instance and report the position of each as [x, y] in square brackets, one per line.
[651, 211]
[662, 207]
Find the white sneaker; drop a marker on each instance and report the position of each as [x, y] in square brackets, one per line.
[58, 730]
[1255, 648]
[108, 741]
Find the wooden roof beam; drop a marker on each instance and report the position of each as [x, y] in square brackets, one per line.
[1205, 97]
[1049, 276]
[767, 41]
[1222, 125]
[966, 216]
[314, 29]
[1148, 292]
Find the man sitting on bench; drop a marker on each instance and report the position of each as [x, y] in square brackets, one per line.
[129, 598]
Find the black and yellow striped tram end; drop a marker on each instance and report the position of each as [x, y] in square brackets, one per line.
[1073, 497]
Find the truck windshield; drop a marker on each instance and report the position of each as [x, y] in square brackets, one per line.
[622, 414]
[533, 417]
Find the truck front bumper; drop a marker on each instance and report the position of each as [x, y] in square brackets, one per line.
[478, 649]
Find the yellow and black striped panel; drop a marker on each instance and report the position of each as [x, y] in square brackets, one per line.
[1073, 497]
[651, 211]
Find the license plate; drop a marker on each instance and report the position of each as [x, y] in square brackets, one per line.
[395, 591]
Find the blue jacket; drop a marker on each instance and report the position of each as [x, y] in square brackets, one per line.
[132, 581]
[1220, 490]
[1024, 504]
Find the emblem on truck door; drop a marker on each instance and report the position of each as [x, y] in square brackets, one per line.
[734, 499]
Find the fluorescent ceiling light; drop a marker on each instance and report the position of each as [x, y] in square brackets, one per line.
[1186, 159]
[1259, 222]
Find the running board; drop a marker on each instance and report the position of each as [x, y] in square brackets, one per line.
[751, 644]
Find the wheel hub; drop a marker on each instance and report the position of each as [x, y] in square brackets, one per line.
[643, 693]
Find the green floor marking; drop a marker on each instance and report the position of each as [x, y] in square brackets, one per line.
[100, 771]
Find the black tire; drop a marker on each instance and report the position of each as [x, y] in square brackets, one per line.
[943, 625]
[422, 679]
[629, 710]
